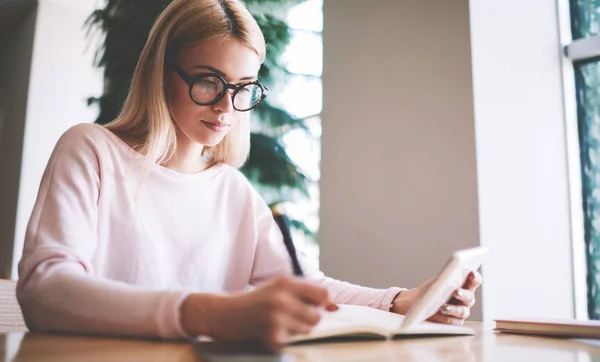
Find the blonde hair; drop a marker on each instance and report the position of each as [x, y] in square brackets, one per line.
[145, 121]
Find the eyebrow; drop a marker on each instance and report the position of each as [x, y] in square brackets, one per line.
[221, 73]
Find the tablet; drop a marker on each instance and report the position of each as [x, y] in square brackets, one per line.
[453, 276]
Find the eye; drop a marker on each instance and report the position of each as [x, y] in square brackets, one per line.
[207, 83]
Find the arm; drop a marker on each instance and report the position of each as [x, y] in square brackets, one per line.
[273, 259]
[57, 289]
[346, 293]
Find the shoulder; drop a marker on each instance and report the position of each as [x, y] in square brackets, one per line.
[247, 194]
[232, 173]
[235, 179]
[84, 142]
[83, 135]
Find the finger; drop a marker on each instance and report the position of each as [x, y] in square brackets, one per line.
[302, 312]
[446, 319]
[282, 328]
[293, 326]
[310, 293]
[331, 307]
[464, 297]
[457, 311]
[307, 292]
[276, 339]
[473, 281]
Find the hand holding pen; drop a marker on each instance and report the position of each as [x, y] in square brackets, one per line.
[276, 310]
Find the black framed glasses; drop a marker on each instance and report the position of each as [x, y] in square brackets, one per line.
[207, 89]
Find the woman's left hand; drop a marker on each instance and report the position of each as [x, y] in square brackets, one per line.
[454, 312]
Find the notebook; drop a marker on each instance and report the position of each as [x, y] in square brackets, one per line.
[352, 322]
[360, 322]
[568, 328]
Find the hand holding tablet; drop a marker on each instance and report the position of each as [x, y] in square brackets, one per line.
[451, 277]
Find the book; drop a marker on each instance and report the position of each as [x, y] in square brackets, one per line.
[360, 322]
[353, 322]
[567, 328]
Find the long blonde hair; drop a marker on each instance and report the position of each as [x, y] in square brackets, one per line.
[145, 121]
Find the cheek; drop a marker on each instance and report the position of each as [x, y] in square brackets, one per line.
[182, 108]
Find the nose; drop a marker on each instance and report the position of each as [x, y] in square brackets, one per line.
[225, 104]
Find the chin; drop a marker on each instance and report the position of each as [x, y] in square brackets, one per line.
[209, 141]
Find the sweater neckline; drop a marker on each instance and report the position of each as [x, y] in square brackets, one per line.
[136, 156]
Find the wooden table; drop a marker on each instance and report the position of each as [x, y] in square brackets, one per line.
[485, 346]
[11, 319]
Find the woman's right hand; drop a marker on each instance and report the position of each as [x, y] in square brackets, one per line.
[271, 313]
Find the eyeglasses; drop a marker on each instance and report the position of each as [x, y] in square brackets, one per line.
[209, 88]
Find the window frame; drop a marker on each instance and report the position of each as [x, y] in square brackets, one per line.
[573, 52]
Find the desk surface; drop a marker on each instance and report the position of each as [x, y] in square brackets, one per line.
[485, 346]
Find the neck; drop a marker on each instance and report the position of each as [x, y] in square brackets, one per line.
[188, 158]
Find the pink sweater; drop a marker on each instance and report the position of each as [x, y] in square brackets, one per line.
[99, 259]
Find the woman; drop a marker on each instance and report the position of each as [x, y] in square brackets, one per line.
[145, 227]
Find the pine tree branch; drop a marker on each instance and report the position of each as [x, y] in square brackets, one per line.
[269, 165]
[277, 37]
[277, 120]
[299, 225]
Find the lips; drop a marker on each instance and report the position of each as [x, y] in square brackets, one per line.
[216, 126]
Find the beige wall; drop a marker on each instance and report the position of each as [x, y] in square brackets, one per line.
[15, 63]
[398, 190]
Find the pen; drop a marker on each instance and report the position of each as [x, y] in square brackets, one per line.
[284, 225]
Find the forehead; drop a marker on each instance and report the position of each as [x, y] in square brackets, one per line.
[230, 55]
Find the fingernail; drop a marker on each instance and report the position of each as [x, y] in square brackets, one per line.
[332, 307]
[445, 309]
[459, 293]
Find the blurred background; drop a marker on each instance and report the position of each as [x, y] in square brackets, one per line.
[395, 132]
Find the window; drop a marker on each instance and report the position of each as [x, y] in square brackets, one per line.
[302, 97]
[584, 53]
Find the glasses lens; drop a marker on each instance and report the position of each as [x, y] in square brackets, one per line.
[207, 89]
[247, 97]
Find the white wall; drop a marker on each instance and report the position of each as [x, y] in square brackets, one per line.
[62, 78]
[398, 189]
[522, 159]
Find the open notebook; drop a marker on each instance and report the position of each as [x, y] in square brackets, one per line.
[358, 322]
[351, 322]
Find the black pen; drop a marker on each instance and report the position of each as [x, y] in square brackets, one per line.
[284, 225]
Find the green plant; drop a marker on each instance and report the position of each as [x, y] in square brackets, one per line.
[125, 25]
